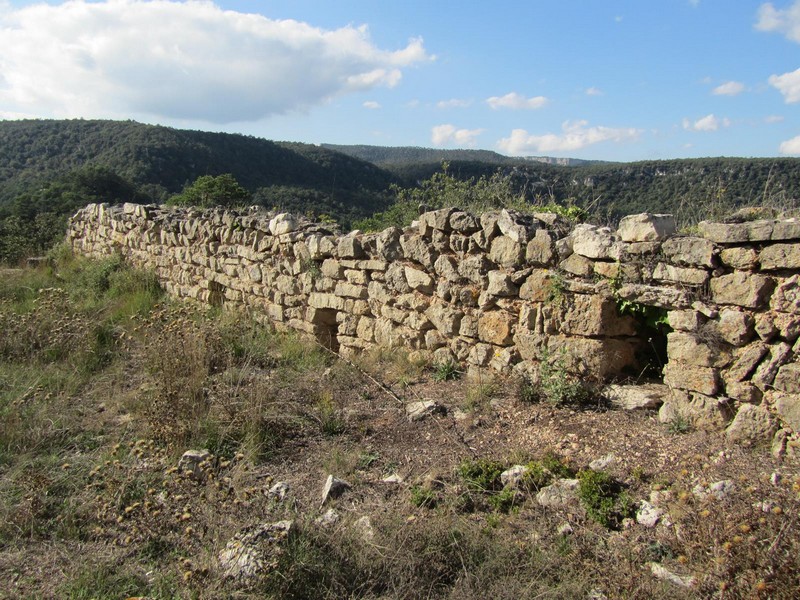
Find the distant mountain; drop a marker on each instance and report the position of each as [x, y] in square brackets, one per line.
[160, 161]
[390, 156]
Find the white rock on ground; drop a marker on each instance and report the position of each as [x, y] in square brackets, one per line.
[254, 551]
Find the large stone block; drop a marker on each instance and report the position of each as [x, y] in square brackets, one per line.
[436, 219]
[682, 376]
[684, 275]
[446, 319]
[501, 284]
[591, 241]
[752, 426]
[693, 251]
[506, 252]
[646, 227]
[788, 378]
[691, 349]
[595, 358]
[742, 289]
[541, 249]
[737, 233]
[787, 295]
[496, 327]
[735, 327]
[419, 280]
[416, 248]
[787, 406]
[700, 410]
[780, 256]
[594, 315]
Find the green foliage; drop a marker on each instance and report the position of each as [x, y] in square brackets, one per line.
[653, 317]
[208, 191]
[423, 497]
[556, 385]
[603, 498]
[445, 371]
[482, 475]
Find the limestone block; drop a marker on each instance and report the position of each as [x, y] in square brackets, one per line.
[637, 397]
[440, 241]
[529, 344]
[690, 377]
[515, 225]
[788, 378]
[436, 219]
[394, 314]
[743, 259]
[765, 326]
[745, 361]
[396, 278]
[743, 391]
[282, 223]
[700, 410]
[332, 268]
[788, 229]
[537, 286]
[417, 249]
[752, 426]
[685, 320]
[787, 407]
[468, 327]
[577, 265]
[693, 251]
[787, 295]
[741, 289]
[414, 302]
[418, 321]
[356, 277]
[788, 325]
[591, 241]
[646, 227]
[598, 358]
[348, 290]
[594, 315]
[684, 275]
[419, 280]
[388, 244]
[474, 268]
[780, 256]
[446, 319]
[447, 267]
[765, 373]
[735, 327]
[501, 284]
[691, 349]
[349, 246]
[541, 249]
[463, 222]
[496, 327]
[321, 300]
[506, 252]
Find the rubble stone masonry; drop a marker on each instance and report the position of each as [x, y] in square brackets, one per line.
[501, 291]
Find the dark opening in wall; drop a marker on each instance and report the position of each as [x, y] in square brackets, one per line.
[216, 295]
[652, 327]
[326, 329]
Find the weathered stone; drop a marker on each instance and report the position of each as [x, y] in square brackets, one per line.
[447, 320]
[700, 410]
[387, 244]
[541, 249]
[254, 552]
[417, 249]
[593, 315]
[787, 296]
[417, 411]
[437, 219]
[788, 378]
[646, 227]
[685, 320]
[419, 280]
[537, 286]
[684, 275]
[650, 295]
[500, 284]
[195, 463]
[788, 326]
[693, 251]
[741, 289]
[787, 407]
[648, 515]
[577, 265]
[591, 241]
[691, 377]
[690, 349]
[768, 369]
[464, 222]
[474, 268]
[752, 426]
[513, 477]
[661, 572]
[743, 391]
[787, 229]
[744, 259]
[348, 290]
[282, 223]
[515, 225]
[559, 494]
[496, 327]
[598, 358]
[334, 488]
[506, 252]
[735, 233]
[349, 247]
[735, 327]
[780, 256]
[447, 267]
[637, 397]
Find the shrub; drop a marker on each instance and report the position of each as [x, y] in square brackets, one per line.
[603, 498]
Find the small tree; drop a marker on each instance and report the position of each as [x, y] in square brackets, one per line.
[210, 190]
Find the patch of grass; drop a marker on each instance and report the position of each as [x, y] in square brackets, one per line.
[445, 371]
[479, 395]
[679, 424]
[423, 497]
[482, 474]
[556, 384]
[603, 498]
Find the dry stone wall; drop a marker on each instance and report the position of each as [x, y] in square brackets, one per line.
[503, 292]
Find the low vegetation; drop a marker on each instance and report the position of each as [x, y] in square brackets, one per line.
[105, 383]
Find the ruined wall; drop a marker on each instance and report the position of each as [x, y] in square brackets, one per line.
[503, 291]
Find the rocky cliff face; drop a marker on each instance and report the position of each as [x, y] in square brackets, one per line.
[504, 292]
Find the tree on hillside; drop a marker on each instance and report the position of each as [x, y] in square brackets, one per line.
[210, 190]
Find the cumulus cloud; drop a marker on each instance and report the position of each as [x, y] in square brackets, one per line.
[453, 103]
[371, 104]
[708, 123]
[773, 119]
[787, 84]
[786, 22]
[791, 147]
[729, 88]
[575, 135]
[448, 135]
[593, 91]
[517, 102]
[185, 60]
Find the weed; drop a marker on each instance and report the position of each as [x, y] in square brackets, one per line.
[679, 424]
[482, 475]
[445, 371]
[504, 500]
[478, 396]
[555, 293]
[423, 497]
[603, 498]
[556, 385]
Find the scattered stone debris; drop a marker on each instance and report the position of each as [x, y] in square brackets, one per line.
[603, 463]
[648, 515]
[278, 491]
[334, 488]
[254, 551]
[512, 477]
[195, 462]
[558, 494]
[661, 572]
[327, 519]
[719, 490]
[416, 411]
[649, 396]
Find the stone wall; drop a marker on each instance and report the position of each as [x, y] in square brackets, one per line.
[504, 291]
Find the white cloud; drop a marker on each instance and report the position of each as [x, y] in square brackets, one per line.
[453, 103]
[516, 101]
[593, 91]
[575, 136]
[729, 88]
[708, 123]
[183, 60]
[371, 104]
[791, 147]
[786, 21]
[446, 135]
[787, 84]
[773, 119]
[694, 3]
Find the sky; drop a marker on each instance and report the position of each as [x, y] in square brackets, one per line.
[620, 80]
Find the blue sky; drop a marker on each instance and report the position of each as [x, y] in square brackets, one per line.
[601, 79]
